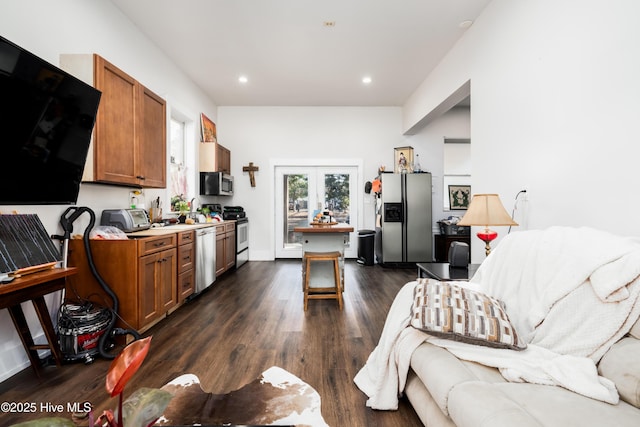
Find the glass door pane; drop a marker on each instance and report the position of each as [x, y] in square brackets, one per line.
[296, 189]
[337, 196]
[302, 192]
[294, 203]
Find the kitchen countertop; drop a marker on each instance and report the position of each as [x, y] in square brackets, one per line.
[338, 228]
[175, 228]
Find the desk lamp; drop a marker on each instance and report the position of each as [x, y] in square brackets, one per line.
[485, 210]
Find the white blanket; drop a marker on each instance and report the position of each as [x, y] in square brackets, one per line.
[571, 293]
[570, 290]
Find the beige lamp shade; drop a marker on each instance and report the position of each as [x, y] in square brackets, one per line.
[486, 210]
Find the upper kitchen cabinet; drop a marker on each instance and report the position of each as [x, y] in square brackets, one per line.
[214, 158]
[129, 139]
[152, 147]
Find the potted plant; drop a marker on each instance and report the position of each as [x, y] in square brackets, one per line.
[182, 206]
[141, 409]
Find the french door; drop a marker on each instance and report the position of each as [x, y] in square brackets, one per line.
[302, 192]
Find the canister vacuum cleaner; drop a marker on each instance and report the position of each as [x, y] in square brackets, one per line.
[86, 330]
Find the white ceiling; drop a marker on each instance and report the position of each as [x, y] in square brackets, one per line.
[291, 57]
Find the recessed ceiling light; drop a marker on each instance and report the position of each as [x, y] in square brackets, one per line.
[243, 79]
[366, 80]
[465, 24]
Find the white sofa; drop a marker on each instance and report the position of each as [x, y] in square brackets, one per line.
[447, 391]
[572, 295]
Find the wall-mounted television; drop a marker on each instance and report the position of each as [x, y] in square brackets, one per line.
[46, 120]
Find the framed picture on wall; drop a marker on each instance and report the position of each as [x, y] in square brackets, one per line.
[208, 129]
[459, 197]
[403, 159]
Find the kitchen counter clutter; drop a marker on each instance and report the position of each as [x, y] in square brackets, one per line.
[168, 229]
[324, 229]
[152, 272]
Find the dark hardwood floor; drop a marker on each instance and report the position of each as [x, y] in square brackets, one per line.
[246, 322]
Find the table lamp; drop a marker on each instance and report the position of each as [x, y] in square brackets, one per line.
[486, 210]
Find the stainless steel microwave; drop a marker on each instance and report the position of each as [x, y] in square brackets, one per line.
[216, 184]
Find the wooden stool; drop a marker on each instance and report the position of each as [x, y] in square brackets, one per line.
[334, 292]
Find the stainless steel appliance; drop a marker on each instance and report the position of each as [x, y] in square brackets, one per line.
[216, 184]
[127, 220]
[205, 258]
[242, 242]
[405, 235]
[242, 232]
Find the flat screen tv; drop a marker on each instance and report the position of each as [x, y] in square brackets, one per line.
[46, 120]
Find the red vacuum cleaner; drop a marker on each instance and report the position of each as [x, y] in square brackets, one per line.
[86, 330]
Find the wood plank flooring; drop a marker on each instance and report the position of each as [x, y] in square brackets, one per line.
[248, 321]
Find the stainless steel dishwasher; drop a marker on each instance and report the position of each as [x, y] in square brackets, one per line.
[205, 258]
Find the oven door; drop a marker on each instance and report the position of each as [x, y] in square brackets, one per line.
[242, 242]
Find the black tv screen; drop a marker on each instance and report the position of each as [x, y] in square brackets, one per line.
[46, 120]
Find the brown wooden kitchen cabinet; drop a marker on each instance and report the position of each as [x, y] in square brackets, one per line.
[142, 272]
[225, 247]
[214, 157]
[157, 286]
[129, 138]
[186, 265]
[223, 156]
[152, 140]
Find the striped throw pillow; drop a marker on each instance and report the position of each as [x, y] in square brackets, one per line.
[447, 310]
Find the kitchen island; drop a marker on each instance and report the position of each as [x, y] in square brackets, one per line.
[324, 238]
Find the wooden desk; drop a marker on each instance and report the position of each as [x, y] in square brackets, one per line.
[324, 239]
[34, 287]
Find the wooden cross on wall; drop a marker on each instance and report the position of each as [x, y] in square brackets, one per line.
[251, 169]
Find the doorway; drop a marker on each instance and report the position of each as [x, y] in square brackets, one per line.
[302, 192]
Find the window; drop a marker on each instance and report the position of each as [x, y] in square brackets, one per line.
[177, 144]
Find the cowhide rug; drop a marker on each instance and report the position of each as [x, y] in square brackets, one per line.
[276, 398]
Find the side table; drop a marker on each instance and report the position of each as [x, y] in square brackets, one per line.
[443, 271]
[34, 287]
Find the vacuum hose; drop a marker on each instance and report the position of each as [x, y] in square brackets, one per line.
[67, 219]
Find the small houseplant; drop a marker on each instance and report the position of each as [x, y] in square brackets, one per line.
[182, 206]
[141, 409]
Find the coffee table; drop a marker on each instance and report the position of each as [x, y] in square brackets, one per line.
[444, 272]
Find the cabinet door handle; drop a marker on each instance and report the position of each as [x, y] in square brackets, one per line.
[141, 177]
[158, 244]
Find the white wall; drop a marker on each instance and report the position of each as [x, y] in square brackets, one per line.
[554, 109]
[263, 135]
[48, 29]
[428, 142]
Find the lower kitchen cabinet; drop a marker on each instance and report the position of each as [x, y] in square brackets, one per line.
[142, 272]
[186, 265]
[157, 285]
[225, 247]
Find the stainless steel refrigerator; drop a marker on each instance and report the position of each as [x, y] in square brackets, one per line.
[405, 227]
